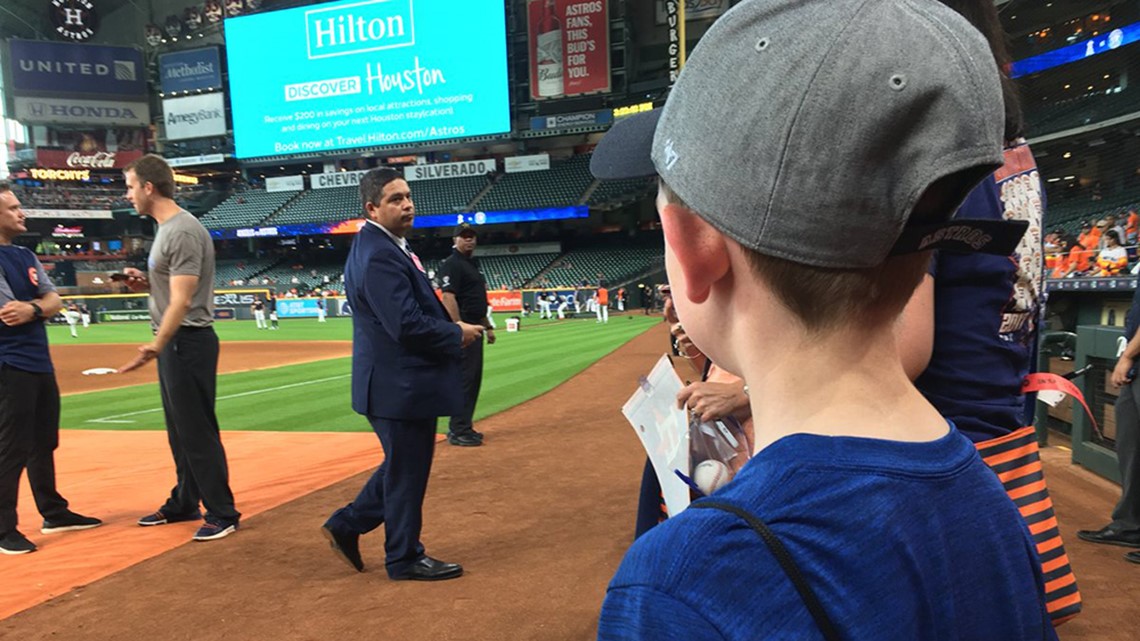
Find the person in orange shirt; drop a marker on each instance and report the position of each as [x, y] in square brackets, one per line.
[1078, 260]
[603, 304]
[1060, 265]
[1132, 227]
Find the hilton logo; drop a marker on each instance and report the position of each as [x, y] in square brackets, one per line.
[74, 19]
[372, 25]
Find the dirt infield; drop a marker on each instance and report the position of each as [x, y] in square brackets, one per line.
[540, 517]
[236, 356]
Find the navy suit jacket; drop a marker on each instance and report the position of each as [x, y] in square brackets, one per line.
[405, 348]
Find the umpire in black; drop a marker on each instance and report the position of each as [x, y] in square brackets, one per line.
[465, 297]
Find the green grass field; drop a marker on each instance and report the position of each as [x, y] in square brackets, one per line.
[315, 396]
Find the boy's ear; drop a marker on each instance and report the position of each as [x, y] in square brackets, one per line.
[700, 249]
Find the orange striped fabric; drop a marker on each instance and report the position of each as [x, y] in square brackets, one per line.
[1015, 459]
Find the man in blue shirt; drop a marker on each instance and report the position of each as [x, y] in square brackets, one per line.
[29, 396]
[802, 188]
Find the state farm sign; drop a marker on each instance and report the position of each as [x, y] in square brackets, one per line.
[58, 159]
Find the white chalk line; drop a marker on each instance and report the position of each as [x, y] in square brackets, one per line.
[115, 417]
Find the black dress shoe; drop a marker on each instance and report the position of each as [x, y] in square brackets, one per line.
[1112, 536]
[346, 546]
[464, 440]
[429, 569]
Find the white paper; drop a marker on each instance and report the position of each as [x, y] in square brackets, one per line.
[663, 430]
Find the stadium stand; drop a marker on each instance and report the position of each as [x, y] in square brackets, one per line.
[614, 193]
[513, 272]
[246, 209]
[320, 205]
[563, 184]
[1083, 110]
[592, 265]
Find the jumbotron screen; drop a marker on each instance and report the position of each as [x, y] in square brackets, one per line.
[363, 73]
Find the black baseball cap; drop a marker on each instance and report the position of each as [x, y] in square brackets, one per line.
[465, 229]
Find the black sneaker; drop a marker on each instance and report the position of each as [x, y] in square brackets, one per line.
[158, 517]
[464, 440]
[16, 543]
[215, 529]
[69, 521]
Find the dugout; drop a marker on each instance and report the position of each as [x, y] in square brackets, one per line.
[1084, 328]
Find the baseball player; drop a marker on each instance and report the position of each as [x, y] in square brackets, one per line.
[258, 308]
[71, 314]
[85, 315]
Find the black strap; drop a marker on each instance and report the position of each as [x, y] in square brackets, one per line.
[784, 558]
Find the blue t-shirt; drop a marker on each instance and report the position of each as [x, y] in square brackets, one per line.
[23, 278]
[906, 541]
[987, 309]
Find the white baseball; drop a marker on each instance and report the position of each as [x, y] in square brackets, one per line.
[711, 475]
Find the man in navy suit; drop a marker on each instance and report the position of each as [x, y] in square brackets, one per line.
[405, 373]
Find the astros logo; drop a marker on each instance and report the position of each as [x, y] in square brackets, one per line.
[34, 276]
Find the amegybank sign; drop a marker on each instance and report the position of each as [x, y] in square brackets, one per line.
[196, 116]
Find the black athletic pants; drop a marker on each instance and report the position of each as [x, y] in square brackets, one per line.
[188, 376]
[29, 434]
[461, 423]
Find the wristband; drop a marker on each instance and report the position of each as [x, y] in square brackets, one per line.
[37, 311]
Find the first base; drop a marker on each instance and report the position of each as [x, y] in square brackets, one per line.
[98, 371]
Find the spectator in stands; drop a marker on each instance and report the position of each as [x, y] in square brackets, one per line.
[1131, 227]
[1079, 261]
[1088, 236]
[1060, 266]
[1111, 225]
[1113, 258]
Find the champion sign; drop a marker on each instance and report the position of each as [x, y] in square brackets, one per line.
[190, 70]
[195, 116]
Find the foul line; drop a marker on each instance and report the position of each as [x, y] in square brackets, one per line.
[113, 418]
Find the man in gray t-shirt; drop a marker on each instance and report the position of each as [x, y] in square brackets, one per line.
[182, 247]
[180, 279]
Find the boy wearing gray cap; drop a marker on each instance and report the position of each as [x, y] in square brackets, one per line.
[811, 154]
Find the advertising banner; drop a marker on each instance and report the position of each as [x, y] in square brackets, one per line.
[449, 170]
[505, 301]
[190, 161]
[367, 73]
[68, 213]
[70, 69]
[59, 159]
[67, 111]
[334, 179]
[569, 44]
[285, 183]
[537, 162]
[197, 116]
[566, 121]
[197, 69]
[298, 307]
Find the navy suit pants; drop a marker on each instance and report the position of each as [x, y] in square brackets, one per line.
[394, 495]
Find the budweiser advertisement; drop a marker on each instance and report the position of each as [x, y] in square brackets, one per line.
[59, 159]
[505, 301]
[569, 44]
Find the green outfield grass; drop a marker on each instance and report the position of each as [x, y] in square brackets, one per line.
[315, 396]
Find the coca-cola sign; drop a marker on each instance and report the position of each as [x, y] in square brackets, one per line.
[62, 159]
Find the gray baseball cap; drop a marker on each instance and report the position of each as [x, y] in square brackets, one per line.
[809, 129]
